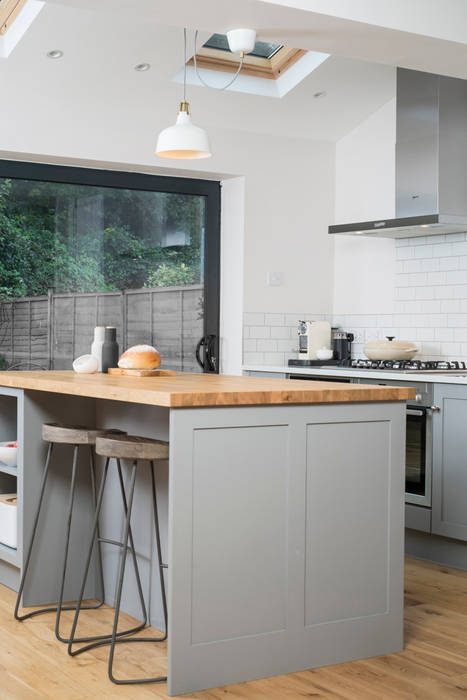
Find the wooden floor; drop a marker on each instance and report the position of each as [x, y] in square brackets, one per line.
[433, 665]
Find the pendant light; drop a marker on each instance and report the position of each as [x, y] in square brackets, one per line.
[184, 140]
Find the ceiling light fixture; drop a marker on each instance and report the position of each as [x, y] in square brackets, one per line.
[241, 41]
[142, 67]
[55, 53]
[184, 140]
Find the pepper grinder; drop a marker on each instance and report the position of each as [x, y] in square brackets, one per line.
[110, 352]
[97, 345]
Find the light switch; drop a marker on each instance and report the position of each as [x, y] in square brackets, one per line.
[274, 279]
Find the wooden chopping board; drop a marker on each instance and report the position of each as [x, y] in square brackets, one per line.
[142, 372]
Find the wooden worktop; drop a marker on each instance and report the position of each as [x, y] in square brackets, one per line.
[201, 389]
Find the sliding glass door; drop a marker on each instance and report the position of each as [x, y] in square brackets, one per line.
[82, 247]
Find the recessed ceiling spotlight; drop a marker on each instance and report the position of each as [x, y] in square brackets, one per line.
[321, 93]
[56, 53]
[142, 67]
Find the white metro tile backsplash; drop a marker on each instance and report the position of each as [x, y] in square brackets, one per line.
[272, 340]
[430, 308]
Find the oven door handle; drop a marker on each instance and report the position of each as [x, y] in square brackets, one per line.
[416, 411]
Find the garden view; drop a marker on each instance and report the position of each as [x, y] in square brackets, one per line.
[76, 238]
[76, 256]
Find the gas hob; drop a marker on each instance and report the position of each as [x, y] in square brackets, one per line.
[412, 366]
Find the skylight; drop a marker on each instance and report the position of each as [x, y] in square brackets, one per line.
[16, 16]
[270, 70]
[262, 49]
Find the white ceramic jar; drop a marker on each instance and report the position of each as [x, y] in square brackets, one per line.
[96, 347]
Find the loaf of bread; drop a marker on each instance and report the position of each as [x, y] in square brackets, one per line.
[140, 357]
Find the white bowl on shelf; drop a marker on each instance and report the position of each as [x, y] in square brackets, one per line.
[8, 455]
[324, 354]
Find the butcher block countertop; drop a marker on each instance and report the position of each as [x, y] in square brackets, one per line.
[198, 390]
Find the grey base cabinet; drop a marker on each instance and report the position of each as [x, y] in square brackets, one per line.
[285, 541]
[449, 503]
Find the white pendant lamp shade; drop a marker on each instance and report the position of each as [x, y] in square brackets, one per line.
[184, 139]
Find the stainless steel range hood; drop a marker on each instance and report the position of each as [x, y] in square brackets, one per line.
[431, 160]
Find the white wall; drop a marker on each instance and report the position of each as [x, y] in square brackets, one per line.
[365, 190]
[287, 202]
[231, 303]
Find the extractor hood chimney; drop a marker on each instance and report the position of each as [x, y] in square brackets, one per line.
[431, 159]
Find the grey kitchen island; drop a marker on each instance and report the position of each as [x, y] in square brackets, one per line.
[282, 509]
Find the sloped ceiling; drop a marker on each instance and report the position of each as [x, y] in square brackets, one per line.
[96, 77]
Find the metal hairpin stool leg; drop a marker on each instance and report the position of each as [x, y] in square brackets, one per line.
[76, 437]
[133, 448]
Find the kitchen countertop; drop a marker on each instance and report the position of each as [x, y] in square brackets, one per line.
[435, 377]
[198, 390]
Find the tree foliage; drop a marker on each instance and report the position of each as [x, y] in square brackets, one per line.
[77, 238]
[170, 275]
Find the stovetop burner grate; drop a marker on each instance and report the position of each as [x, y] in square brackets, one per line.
[410, 365]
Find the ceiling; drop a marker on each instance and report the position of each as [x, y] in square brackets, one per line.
[95, 80]
[426, 35]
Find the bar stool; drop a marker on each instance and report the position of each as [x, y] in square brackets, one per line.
[132, 448]
[77, 437]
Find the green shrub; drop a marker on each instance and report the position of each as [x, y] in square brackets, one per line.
[171, 275]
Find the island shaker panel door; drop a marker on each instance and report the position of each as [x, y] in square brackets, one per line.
[250, 513]
[449, 499]
[236, 542]
[347, 561]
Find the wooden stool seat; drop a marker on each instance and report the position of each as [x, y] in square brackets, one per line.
[73, 434]
[132, 447]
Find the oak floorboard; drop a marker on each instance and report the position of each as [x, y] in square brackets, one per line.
[433, 665]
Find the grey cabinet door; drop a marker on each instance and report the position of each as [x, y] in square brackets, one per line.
[449, 517]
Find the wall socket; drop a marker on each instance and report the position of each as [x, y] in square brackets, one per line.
[274, 279]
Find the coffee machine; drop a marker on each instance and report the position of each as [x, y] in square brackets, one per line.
[313, 335]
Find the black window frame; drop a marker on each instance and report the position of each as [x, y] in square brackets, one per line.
[211, 189]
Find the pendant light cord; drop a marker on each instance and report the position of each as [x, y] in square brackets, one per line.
[184, 64]
[203, 82]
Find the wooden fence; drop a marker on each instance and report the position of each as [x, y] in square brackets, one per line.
[50, 331]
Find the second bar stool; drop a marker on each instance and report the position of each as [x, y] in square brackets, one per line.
[135, 449]
[76, 437]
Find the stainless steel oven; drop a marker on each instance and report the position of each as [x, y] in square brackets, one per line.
[419, 441]
[418, 460]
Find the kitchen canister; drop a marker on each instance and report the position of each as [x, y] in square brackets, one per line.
[97, 345]
[8, 519]
[110, 352]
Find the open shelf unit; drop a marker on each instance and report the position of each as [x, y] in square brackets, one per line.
[22, 415]
[10, 427]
